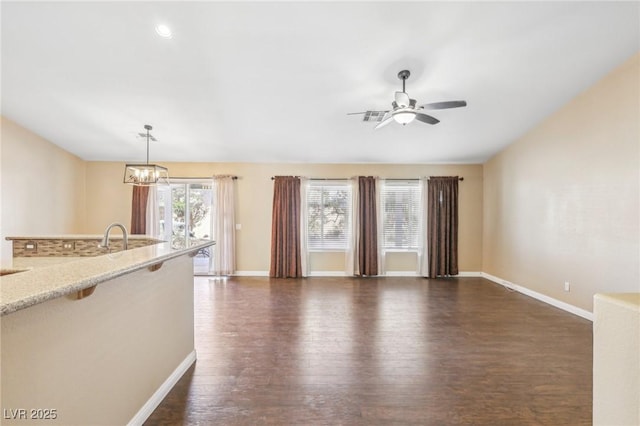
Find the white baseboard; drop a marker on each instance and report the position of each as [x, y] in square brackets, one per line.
[327, 274]
[542, 297]
[155, 400]
[388, 274]
[415, 274]
[311, 274]
[251, 274]
[343, 274]
[497, 280]
[469, 274]
[400, 274]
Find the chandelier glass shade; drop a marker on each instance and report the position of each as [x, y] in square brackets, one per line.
[146, 174]
[404, 116]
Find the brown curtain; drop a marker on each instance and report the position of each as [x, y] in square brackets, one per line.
[285, 228]
[443, 226]
[368, 226]
[139, 209]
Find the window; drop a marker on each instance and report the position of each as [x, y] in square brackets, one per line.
[401, 215]
[328, 215]
[184, 210]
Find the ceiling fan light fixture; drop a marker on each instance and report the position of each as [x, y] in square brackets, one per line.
[404, 116]
[164, 31]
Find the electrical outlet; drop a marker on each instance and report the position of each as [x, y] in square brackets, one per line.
[567, 286]
[30, 246]
[68, 245]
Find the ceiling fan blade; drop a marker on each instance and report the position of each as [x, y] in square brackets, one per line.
[444, 105]
[371, 115]
[375, 115]
[426, 118]
[388, 119]
[402, 99]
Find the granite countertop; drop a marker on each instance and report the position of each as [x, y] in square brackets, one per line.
[626, 300]
[115, 236]
[23, 289]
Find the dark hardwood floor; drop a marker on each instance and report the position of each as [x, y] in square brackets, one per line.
[385, 351]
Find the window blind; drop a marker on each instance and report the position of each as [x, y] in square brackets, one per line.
[401, 210]
[328, 215]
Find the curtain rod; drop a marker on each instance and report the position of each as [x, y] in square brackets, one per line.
[273, 177]
[400, 179]
[460, 178]
[199, 178]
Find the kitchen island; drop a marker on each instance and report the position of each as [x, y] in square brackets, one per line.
[96, 340]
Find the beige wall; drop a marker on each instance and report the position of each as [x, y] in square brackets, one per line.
[98, 360]
[616, 359]
[108, 200]
[42, 187]
[85, 197]
[561, 203]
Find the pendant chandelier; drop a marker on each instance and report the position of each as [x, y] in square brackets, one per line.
[146, 174]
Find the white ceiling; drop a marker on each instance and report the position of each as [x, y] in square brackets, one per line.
[273, 82]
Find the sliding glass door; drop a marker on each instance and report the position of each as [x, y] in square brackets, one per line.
[185, 213]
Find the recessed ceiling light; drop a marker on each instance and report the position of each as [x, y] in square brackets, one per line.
[163, 31]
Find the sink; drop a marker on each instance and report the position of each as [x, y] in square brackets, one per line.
[9, 271]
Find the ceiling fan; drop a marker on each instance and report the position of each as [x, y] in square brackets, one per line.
[405, 110]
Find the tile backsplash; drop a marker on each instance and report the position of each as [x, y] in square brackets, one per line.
[72, 247]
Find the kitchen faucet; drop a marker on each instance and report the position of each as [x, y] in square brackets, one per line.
[105, 240]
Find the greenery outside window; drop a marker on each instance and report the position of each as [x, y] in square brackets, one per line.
[328, 215]
[401, 215]
[184, 210]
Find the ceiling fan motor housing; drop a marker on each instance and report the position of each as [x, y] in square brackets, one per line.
[404, 74]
